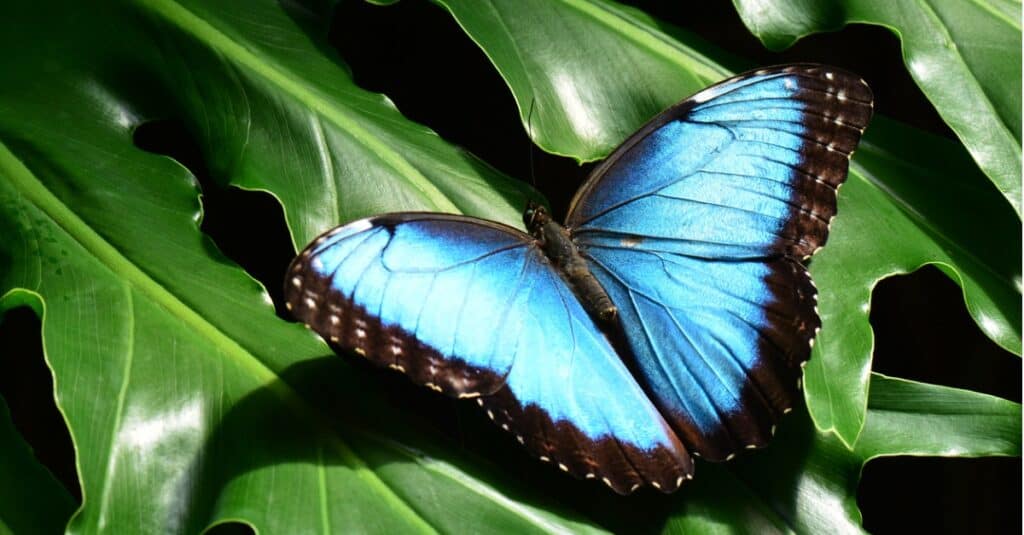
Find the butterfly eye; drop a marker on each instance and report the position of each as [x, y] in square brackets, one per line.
[531, 214]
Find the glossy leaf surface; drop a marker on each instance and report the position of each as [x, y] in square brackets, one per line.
[170, 366]
[806, 481]
[966, 56]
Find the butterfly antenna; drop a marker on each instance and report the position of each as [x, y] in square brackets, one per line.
[529, 141]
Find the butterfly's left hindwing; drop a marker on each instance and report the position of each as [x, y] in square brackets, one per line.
[474, 309]
[695, 227]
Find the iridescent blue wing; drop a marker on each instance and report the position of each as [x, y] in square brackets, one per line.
[695, 227]
[474, 309]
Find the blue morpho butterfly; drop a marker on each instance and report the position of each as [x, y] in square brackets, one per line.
[671, 313]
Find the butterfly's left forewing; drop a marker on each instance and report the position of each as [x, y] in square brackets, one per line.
[474, 309]
[695, 227]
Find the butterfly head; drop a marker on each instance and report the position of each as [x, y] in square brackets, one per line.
[535, 216]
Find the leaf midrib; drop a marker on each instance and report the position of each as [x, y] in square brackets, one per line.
[36, 192]
[205, 32]
[649, 38]
[122, 394]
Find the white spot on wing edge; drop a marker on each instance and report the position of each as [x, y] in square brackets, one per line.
[355, 226]
[708, 94]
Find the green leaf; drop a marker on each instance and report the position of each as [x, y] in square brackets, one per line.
[899, 210]
[806, 481]
[180, 386]
[578, 63]
[895, 215]
[965, 56]
[35, 502]
[909, 418]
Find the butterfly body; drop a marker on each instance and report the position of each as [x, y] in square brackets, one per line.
[684, 247]
[556, 242]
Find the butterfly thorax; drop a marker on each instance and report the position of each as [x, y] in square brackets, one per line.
[559, 248]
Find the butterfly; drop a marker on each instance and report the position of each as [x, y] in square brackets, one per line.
[669, 317]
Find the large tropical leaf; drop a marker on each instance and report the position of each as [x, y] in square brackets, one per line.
[600, 67]
[173, 373]
[190, 403]
[966, 56]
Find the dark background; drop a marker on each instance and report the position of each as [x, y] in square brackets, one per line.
[417, 55]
